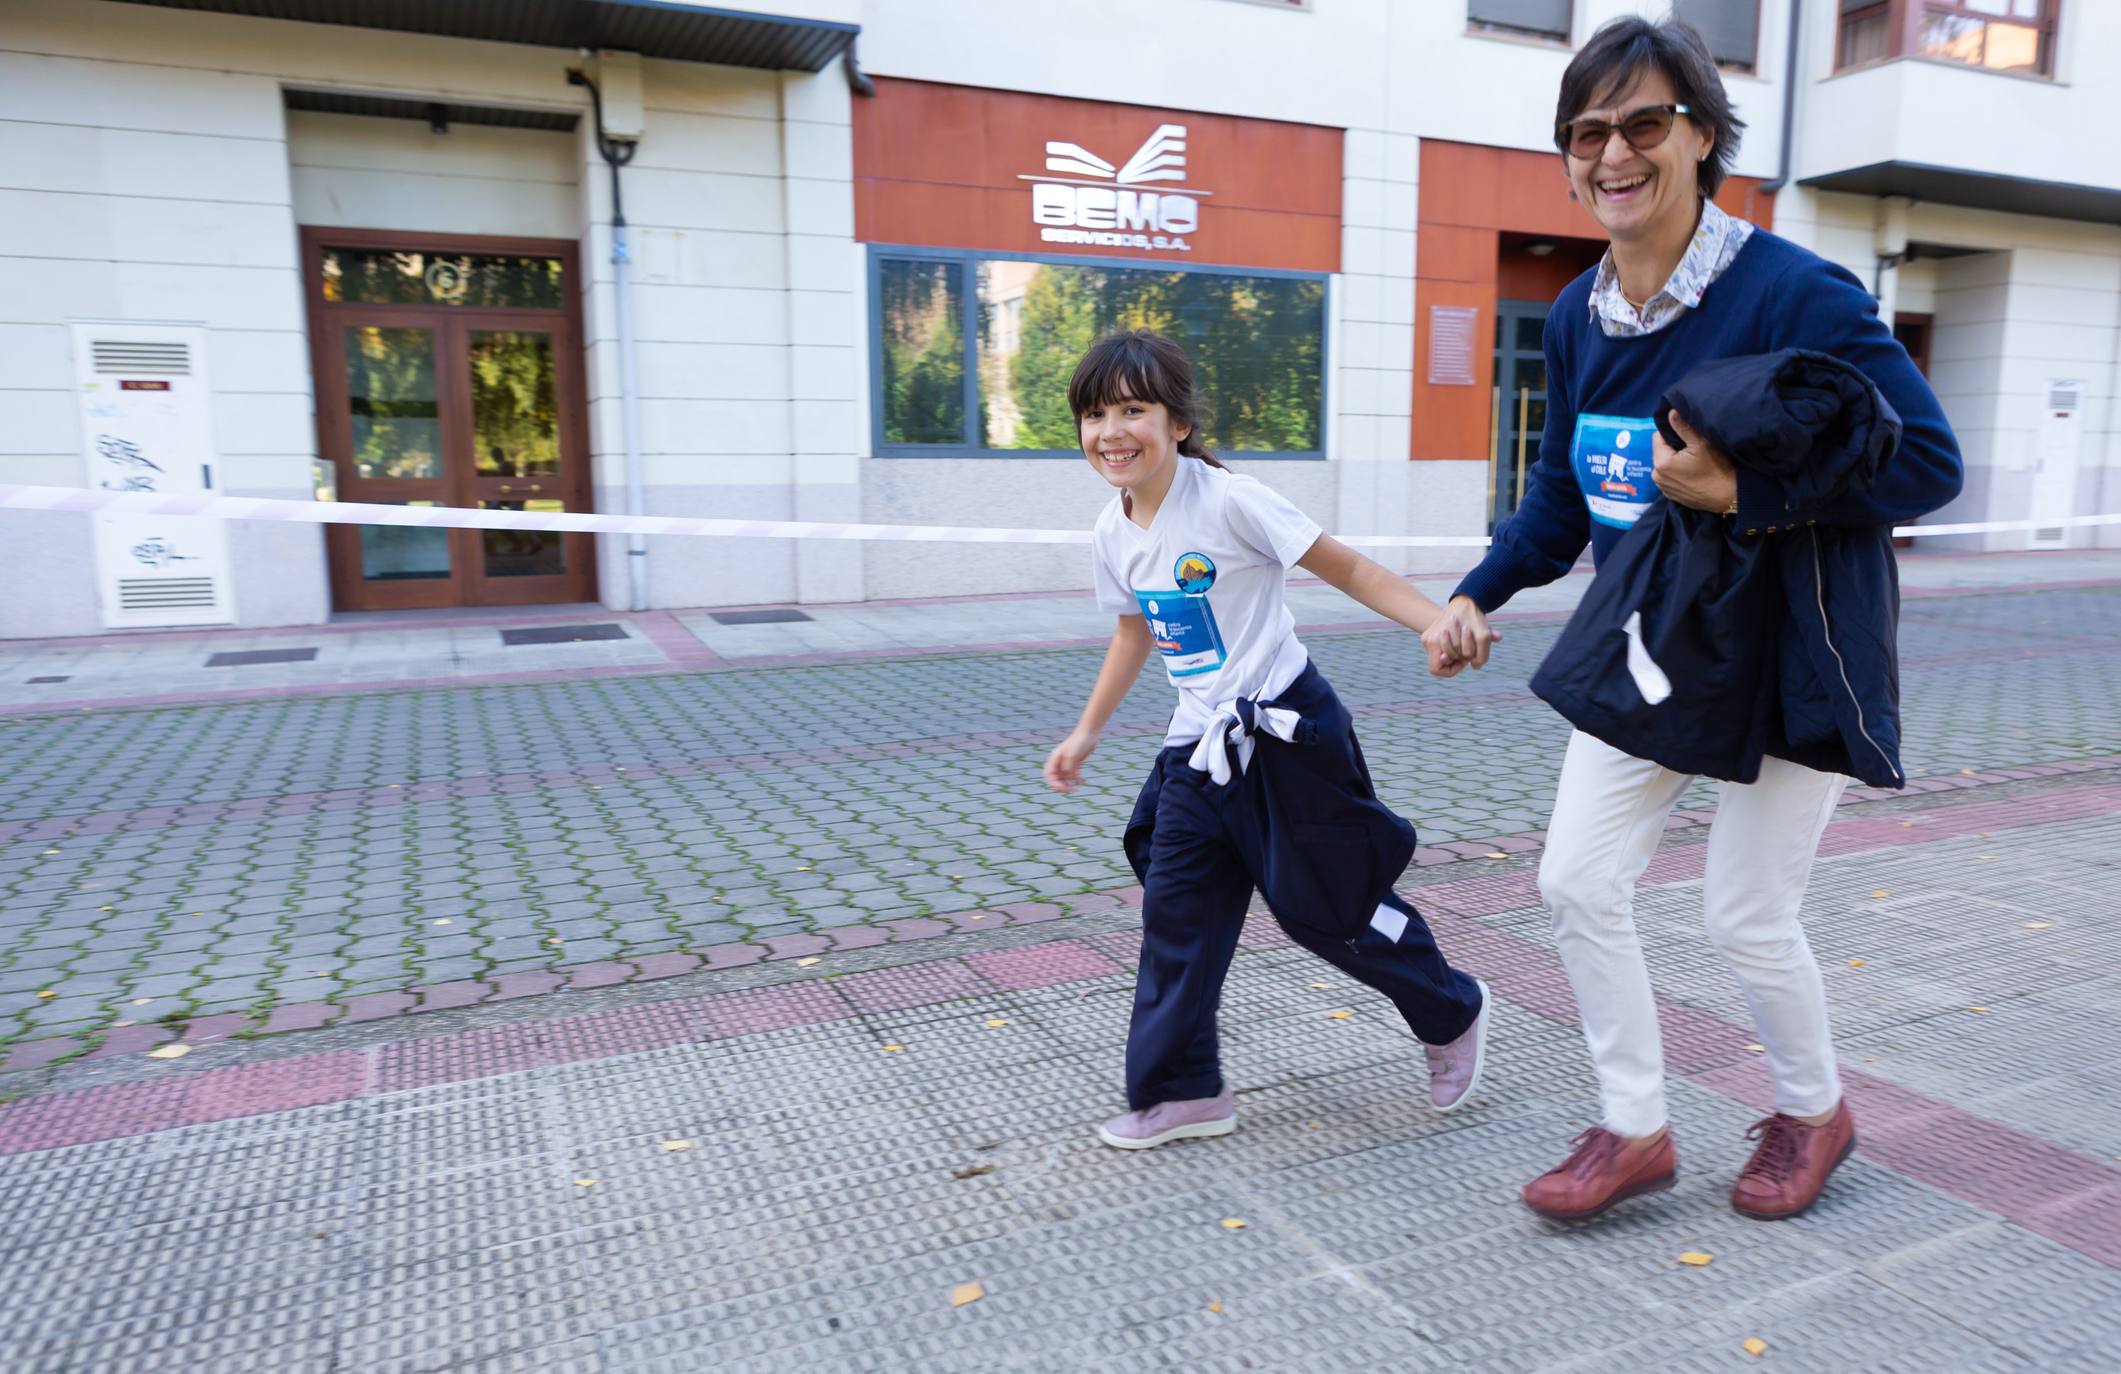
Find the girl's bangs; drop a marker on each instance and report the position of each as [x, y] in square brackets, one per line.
[1124, 371]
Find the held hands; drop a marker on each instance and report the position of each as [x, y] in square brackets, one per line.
[1459, 639]
[1064, 766]
[1696, 476]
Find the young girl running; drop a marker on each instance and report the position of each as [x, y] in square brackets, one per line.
[1260, 782]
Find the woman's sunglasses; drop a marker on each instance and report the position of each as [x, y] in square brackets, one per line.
[1643, 129]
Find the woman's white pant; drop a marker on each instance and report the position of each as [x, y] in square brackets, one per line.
[1609, 814]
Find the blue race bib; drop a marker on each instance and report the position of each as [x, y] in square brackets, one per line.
[1184, 630]
[1612, 459]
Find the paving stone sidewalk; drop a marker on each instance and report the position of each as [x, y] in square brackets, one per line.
[276, 863]
[795, 1168]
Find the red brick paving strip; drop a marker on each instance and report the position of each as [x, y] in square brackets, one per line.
[2041, 1186]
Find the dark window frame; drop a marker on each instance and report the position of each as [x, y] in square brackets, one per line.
[1490, 28]
[1751, 66]
[1904, 34]
[967, 261]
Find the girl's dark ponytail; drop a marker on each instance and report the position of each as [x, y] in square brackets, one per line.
[1144, 365]
[1192, 447]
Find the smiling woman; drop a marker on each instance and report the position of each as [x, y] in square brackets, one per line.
[1647, 135]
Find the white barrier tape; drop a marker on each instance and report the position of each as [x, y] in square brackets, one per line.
[86, 501]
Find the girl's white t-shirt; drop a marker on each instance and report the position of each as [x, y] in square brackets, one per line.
[1208, 575]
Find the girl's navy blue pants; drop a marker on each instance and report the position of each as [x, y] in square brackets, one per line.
[1303, 825]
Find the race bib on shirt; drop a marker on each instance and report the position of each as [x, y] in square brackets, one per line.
[1184, 630]
[1612, 459]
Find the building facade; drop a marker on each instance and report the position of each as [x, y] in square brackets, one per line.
[278, 249]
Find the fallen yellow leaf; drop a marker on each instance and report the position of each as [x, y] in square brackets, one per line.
[169, 1052]
[1320, 987]
[1697, 1258]
[1881, 892]
[47, 993]
[1494, 854]
[585, 1183]
[997, 1021]
[967, 1292]
[1215, 1306]
[1986, 858]
[1339, 1015]
[1313, 1126]
[1757, 1049]
[806, 962]
[1754, 1346]
[2036, 925]
[1977, 1008]
[802, 868]
[443, 922]
[1233, 1224]
[1855, 963]
[894, 1049]
[142, 1001]
[674, 1145]
[555, 940]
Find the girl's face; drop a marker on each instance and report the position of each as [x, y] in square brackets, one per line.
[1633, 192]
[1131, 443]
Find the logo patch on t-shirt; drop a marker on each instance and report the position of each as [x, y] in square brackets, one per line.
[1611, 455]
[1184, 630]
[1194, 573]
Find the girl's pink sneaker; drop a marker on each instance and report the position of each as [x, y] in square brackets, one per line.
[1168, 1121]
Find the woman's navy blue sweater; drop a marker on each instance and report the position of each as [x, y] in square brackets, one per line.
[1774, 295]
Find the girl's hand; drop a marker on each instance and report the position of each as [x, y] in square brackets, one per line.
[1064, 766]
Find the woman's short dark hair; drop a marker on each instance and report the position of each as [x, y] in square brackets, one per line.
[1142, 365]
[1620, 51]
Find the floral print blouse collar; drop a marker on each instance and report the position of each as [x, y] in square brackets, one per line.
[1717, 240]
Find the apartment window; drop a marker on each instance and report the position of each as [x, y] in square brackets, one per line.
[1525, 18]
[2001, 35]
[1731, 28]
[974, 351]
[2004, 35]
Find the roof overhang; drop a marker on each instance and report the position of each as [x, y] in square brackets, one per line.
[653, 28]
[1979, 190]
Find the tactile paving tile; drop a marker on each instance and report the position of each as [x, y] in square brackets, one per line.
[463, 1310]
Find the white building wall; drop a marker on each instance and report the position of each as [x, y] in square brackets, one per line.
[147, 191]
[359, 172]
[740, 204]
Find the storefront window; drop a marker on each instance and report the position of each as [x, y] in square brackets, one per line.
[1257, 340]
[921, 311]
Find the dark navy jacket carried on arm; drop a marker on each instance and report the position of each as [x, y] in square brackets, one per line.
[1772, 630]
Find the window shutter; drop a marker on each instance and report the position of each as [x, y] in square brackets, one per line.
[1533, 16]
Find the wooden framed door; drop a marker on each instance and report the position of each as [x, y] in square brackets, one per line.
[449, 373]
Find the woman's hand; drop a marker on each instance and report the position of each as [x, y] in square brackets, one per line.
[1064, 766]
[1460, 638]
[1696, 476]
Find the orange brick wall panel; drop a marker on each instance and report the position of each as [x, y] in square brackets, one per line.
[1452, 421]
[945, 166]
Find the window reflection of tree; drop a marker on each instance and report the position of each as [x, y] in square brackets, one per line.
[1256, 343]
[386, 277]
[924, 353]
[390, 391]
[515, 428]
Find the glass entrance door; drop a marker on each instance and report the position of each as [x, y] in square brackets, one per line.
[1520, 401]
[450, 378]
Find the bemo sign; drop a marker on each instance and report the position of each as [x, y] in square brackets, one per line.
[1083, 199]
